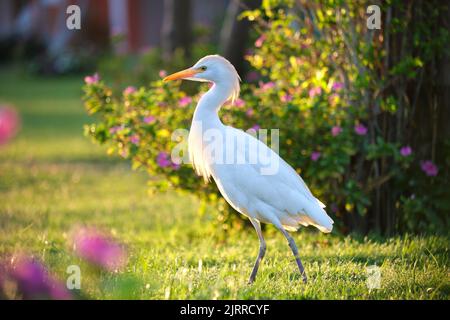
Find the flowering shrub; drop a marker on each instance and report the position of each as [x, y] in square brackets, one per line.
[343, 125]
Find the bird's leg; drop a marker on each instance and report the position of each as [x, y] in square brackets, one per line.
[294, 249]
[262, 249]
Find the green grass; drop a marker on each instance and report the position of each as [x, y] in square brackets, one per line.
[53, 179]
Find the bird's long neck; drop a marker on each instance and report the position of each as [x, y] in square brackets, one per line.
[207, 110]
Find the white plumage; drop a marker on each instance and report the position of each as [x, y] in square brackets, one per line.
[252, 178]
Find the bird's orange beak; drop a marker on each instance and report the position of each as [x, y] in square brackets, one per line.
[187, 73]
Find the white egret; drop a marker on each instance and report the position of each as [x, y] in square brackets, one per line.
[279, 197]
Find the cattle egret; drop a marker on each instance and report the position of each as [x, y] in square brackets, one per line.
[278, 196]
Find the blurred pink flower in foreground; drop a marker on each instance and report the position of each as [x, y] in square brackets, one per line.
[185, 101]
[315, 91]
[336, 130]
[92, 79]
[34, 282]
[259, 42]
[315, 155]
[99, 249]
[360, 129]
[429, 168]
[9, 123]
[129, 90]
[405, 151]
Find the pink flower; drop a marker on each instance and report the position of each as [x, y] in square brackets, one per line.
[149, 119]
[336, 130]
[34, 282]
[99, 249]
[9, 124]
[129, 90]
[259, 42]
[315, 91]
[286, 97]
[256, 127]
[360, 129]
[92, 79]
[267, 85]
[405, 151]
[315, 155]
[163, 160]
[116, 129]
[337, 86]
[162, 73]
[134, 139]
[239, 103]
[429, 168]
[250, 112]
[185, 101]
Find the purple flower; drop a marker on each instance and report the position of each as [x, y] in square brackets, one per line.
[92, 79]
[252, 76]
[129, 90]
[134, 139]
[360, 129]
[315, 91]
[256, 127]
[315, 155]
[250, 112]
[405, 151]
[185, 101]
[259, 42]
[99, 249]
[34, 282]
[429, 168]
[163, 160]
[9, 124]
[337, 86]
[239, 103]
[336, 130]
[286, 97]
[175, 166]
[162, 73]
[149, 119]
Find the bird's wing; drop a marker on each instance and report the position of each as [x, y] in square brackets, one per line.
[270, 185]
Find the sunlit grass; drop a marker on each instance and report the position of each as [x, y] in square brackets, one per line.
[53, 179]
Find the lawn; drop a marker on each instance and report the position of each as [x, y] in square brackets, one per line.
[53, 179]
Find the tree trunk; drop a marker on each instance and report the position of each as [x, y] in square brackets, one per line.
[234, 33]
[177, 27]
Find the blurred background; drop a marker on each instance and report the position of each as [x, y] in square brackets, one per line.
[36, 31]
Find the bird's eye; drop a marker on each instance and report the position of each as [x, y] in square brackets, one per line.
[203, 68]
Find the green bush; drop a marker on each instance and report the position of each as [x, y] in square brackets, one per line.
[323, 83]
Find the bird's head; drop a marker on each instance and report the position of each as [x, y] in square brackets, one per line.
[213, 68]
